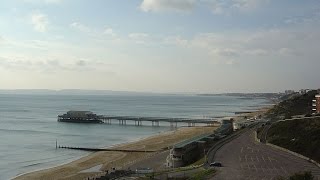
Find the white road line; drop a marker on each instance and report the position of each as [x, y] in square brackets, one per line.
[286, 172]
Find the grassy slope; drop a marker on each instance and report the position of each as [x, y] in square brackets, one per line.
[294, 105]
[301, 136]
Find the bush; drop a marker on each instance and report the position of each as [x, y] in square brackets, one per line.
[302, 176]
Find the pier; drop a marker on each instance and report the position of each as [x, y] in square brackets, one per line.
[155, 121]
[89, 117]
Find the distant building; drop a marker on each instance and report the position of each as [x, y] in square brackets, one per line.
[316, 104]
[304, 91]
[289, 92]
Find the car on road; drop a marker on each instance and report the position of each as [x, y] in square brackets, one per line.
[215, 164]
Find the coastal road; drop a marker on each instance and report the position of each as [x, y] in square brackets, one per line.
[244, 158]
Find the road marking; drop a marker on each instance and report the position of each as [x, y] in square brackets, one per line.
[285, 172]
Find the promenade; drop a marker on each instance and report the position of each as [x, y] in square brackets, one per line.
[244, 158]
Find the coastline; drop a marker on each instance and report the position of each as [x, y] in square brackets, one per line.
[108, 160]
[157, 142]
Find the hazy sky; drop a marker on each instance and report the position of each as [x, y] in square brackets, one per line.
[160, 45]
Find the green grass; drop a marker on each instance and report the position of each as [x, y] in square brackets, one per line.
[198, 162]
[295, 105]
[205, 173]
[300, 136]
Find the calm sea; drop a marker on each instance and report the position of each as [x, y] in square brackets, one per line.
[29, 127]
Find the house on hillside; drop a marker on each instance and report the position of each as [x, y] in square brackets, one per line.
[316, 104]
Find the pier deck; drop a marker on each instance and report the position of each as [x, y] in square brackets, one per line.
[155, 121]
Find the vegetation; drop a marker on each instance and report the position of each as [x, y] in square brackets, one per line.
[293, 105]
[299, 176]
[300, 136]
[199, 162]
[204, 174]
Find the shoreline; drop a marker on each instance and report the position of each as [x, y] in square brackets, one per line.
[72, 169]
[90, 153]
[118, 159]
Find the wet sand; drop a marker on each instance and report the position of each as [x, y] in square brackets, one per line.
[108, 160]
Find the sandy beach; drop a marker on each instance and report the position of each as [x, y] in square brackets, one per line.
[107, 160]
[80, 169]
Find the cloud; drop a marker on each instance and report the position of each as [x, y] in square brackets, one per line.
[49, 64]
[176, 40]
[40, 22]
[139, 38]
[110, 32]
[167, 5]
[80, 27]
[231, 6]
[81, 63]
[2, 40]
[247, 4]
[294, 43]
[217, 6]
[226, 52]
[43, 1]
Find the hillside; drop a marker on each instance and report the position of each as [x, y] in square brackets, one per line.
[301, 136]
[294, 105]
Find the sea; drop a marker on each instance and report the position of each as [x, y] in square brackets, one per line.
[29, 129]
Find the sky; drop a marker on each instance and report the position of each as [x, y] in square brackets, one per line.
[203, 46]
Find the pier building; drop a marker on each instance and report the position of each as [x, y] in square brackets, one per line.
[80, 117]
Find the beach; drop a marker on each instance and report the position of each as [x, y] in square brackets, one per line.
[30, 130]
[108, 160]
